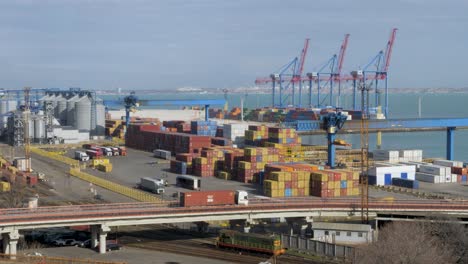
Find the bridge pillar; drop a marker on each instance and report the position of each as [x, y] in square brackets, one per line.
[10, 242]
[94, 236]
[103, 238]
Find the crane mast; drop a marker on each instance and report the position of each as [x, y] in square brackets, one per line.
[27, 139]
[364, 132]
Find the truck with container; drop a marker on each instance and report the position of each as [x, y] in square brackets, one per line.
[152, 185]
[115, 151]
[94, 154]
[210, 198]
[122, 151]
[107, 151]
[81, 156]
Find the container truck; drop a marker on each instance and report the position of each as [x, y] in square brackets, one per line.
[207, 198]
[107, 151]
[152, 185]
[81, 156]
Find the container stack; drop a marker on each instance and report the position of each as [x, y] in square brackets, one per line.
[283, 135]
[203, 128]
[435, 174]
[220, 141]
[334, 183]
[235, 133]
[235, 113]
[211, 160]
[287, 180]
[395, 156]
[254, 162]
[457, 169]
[301, 114]
[149, 137]
[256, 135]
[183, 163]
[231, 163]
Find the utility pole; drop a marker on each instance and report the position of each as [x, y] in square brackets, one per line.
[27, 139]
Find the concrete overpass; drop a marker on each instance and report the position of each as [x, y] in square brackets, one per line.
[102, 217]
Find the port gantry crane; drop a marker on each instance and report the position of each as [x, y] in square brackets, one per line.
[375, 70]
[287, 77]
[334, 66]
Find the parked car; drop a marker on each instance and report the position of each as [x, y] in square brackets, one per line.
[61, 242]
[113, 247]
[82, 243]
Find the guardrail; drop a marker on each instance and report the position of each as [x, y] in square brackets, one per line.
[56, 156]
[115, 187]
[7, 258]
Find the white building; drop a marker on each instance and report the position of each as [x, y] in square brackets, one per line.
[342, 233]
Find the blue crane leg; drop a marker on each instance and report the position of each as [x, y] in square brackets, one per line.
[450, 141]
[331, 150]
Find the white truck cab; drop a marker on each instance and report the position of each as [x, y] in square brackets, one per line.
[242, 197]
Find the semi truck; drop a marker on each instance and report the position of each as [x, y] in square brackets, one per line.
[81, 156]
[152, 184]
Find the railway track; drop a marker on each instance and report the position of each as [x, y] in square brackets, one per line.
[169, 239]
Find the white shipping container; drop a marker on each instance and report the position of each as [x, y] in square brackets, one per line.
[386, 153]
[454, 178]
[448, 163]
[425, 177]
[434, 169]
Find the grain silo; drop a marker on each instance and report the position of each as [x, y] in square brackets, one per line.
[100, 119]
[83, 114]
[71, 110]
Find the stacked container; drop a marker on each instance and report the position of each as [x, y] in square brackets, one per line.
[256, 136]
[203, 128]
[211, 160]
[301, 114]
[334, 183]
[231, 163]
[254, 162]
[283, 135]
[235, 133]
[149, 137]
[287, 180]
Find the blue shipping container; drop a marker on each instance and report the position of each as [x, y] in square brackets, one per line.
[343, 185]
[287, 192]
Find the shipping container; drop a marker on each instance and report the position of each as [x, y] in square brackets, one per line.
[431, 178]
[448, 163]
[411, 184]
[436, 170]
[206, 198]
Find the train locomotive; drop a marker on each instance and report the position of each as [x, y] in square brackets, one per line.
[269, 244]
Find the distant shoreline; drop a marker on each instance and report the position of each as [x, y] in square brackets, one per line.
[262, 90]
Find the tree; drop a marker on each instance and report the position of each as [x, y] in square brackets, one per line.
[406, 243]
[16, 196]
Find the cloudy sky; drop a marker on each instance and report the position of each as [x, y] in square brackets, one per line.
[104, 44]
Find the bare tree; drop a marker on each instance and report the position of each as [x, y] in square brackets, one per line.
[16, 196]
[405, 243]
[451, 234]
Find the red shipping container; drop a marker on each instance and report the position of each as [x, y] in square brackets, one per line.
[344, 192]
[31, 180]
[207, 198]
[459, 178]
[337, 177]
[287, 185]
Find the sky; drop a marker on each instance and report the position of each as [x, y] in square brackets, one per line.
[136, 44]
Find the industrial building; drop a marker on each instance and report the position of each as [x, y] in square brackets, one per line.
[67, 116]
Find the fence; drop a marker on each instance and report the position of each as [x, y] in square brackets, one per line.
[317, 247]
[56, 156]
[115, 187]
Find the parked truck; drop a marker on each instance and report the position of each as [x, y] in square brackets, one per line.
[81, 156]
[152, 185]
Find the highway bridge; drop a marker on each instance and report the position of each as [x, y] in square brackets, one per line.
[101, 217]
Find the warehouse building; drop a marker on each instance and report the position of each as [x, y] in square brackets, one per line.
[339, 233]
